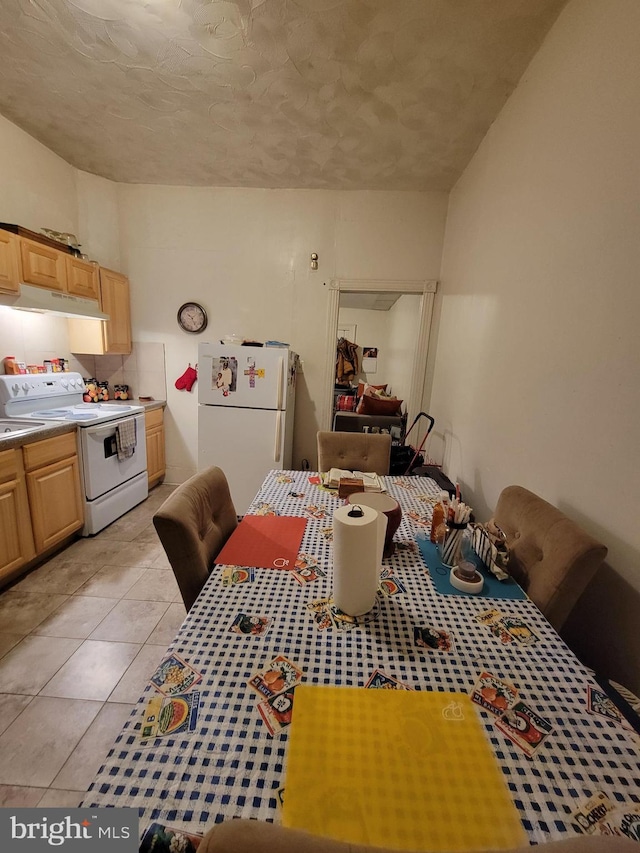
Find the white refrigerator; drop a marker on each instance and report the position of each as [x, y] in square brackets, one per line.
[246, 399]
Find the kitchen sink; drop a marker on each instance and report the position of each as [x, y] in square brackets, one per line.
[16, 426]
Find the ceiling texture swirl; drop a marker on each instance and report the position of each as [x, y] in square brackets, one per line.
[330, 94]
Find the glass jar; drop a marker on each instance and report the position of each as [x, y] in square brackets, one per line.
[120, 392]
[103, 391]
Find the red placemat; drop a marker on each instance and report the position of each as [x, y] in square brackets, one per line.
[264, 541]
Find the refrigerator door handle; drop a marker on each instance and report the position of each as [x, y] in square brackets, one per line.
[276, 446]
[280, 383]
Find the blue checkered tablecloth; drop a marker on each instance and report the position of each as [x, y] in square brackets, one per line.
[231, 767]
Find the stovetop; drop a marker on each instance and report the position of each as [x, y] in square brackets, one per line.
[87, 413]
[58, 397]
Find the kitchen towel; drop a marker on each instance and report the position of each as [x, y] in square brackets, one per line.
[358, 540]
[125, 438]
[264, 541]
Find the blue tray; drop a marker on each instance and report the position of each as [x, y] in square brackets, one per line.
[439, 573]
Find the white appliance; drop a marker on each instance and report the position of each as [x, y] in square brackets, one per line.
[111, 485]
[246, 399]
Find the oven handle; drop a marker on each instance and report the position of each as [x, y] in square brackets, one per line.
[100, 430]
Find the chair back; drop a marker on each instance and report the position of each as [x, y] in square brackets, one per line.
[551, 558]
[354, 451]
[193, 524]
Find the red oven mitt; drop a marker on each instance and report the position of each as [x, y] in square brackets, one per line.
[185, 382]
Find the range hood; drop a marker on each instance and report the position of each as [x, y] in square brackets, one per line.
[51, 302]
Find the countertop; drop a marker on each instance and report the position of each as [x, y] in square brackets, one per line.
[11, 440]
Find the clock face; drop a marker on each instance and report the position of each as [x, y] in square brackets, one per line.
[192, 317]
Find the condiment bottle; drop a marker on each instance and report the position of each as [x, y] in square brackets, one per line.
[437, 521]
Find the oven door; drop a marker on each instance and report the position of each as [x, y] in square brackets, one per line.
[102, 470]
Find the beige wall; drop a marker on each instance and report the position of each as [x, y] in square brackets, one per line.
[244, 254]
[537, 365]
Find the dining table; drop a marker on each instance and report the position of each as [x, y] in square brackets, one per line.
[229, 763]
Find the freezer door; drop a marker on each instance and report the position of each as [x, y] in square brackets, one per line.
[245, 444]
[243, 377]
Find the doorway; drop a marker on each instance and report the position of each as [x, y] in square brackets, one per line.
[358, 292]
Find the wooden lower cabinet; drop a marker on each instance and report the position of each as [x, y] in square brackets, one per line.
[16, 537]
[53, 487]
[154, 434]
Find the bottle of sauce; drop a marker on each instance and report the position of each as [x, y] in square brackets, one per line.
[437, 523]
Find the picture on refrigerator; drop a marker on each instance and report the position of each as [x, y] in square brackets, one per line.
[224, 373]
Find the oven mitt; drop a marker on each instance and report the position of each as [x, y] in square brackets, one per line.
[185, 382]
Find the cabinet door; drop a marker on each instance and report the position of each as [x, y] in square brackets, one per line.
[9, 275]
[82, 278]
[114, 300]
[55, 501]
[154, 433]
[43, 266]
[16, 538]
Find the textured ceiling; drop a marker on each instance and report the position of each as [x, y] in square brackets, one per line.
[348, 94]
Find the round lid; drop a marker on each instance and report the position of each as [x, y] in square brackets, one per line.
[376, 500]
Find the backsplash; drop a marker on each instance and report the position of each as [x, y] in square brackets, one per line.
[34, 338]
[143, 370]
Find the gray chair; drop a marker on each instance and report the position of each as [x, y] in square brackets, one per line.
[354, 451]
[551, 558]
[193, 524]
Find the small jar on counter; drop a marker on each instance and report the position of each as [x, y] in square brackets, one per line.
[91, 390]
[103, 391]
[120, 392]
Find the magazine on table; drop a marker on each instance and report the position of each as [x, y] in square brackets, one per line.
[372, 482]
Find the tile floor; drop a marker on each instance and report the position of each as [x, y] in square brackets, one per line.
[79, 637]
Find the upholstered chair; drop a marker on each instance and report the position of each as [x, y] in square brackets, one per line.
[354, 451]
[193, 524]
[551, 558]
[253, 836]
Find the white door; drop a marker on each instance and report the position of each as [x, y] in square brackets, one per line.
[246, 444]
[242, 377]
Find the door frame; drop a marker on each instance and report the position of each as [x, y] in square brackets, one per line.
[426, 288]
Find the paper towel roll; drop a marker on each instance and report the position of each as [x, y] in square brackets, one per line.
[357, 554]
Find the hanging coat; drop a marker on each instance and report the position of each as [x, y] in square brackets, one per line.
[346, 361]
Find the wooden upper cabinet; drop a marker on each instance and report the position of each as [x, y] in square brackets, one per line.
[82, 278]
[114, 301]
[43, 266]
[9, 263]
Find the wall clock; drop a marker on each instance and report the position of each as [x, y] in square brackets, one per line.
[192, 317]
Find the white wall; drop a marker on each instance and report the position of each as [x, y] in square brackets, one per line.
[244, 253]
[537, 365]
[404, 325]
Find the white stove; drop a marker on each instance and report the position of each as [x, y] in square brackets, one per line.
[113, 482]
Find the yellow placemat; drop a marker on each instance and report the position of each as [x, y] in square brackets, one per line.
[395, 768]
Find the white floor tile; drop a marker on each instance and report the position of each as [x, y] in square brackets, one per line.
[39, 741]
[77, 617]
[130, 621]
[33, 662]
[93, 671]
[167, 628]
[133, 682]
[88, 756]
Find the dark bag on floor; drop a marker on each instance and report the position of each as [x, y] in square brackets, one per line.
[401, 458]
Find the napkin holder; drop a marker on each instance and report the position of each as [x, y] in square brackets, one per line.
[349, 486]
